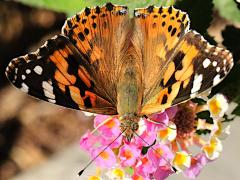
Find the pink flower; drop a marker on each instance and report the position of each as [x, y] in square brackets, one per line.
[144, 167]
[160, 155]
[161, 120]
[171, 112]
[162, 172]
[148, 136]
[106, 158]
[197, 163]
[128, 155]
[109, 126]
[88, 141]
[138, 177]
[114, 144]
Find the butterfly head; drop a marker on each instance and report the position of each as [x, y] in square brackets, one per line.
[129, 125]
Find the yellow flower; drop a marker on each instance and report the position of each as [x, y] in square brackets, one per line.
[202, 124]
[181, 161]
[116, 174]
[94, 178]
[218, 105]
[169, 134]
[213, 148]
[223, 129]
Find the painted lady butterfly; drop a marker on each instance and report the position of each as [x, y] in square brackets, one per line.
[108, 63]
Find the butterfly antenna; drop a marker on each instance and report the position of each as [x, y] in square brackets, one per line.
[155, 122]
[173, 168]
[90, 162]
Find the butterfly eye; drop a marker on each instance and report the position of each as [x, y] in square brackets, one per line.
[134, 126]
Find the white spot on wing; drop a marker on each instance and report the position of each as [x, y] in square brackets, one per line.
[46, 85]
[218, 69]
[224, 61]
[16, 70]
[23, 77]
[38, 70]
[24, 88]
[206, 63]
[218, 49]
[28, 71]
[197, 82]
[10, 64]
[52, 101]
[216, 79]
[214, 63]
[48, 90]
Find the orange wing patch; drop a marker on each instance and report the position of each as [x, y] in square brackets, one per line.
[192, 70]
[157, 32]
[59, 74]
[162, 100]
[92, 28]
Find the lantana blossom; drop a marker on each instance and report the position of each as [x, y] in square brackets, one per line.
[162, 144]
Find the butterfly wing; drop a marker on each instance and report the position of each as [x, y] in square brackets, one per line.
[77, 69]
[157, 32]
[101, 35]
[59, 74]
[185, 64]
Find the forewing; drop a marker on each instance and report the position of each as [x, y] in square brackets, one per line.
[58, 73]
[101, 34]
[156, 33]
[178, 64]
[80, 68]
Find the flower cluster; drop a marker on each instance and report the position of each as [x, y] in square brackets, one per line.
[163, 142]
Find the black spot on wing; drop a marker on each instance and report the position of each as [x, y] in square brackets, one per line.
[64, 99]
[178, 60]
[87, 11]
[150, 9]
[109, 6]
[164, 99]
[87, 102]
[98, 10]
[184, 93]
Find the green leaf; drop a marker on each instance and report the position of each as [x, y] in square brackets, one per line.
[200, 13]
[205, 115]
[236, 111]
[72, 7]
[231, 36]
[199, 101]
[203, 131]
[230, 86]
[129, 170]
[145, 148]
[228, 9]
[237, 99]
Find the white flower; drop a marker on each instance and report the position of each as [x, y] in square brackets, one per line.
[218, 105]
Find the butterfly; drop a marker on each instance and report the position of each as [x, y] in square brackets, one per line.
[107, 62]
